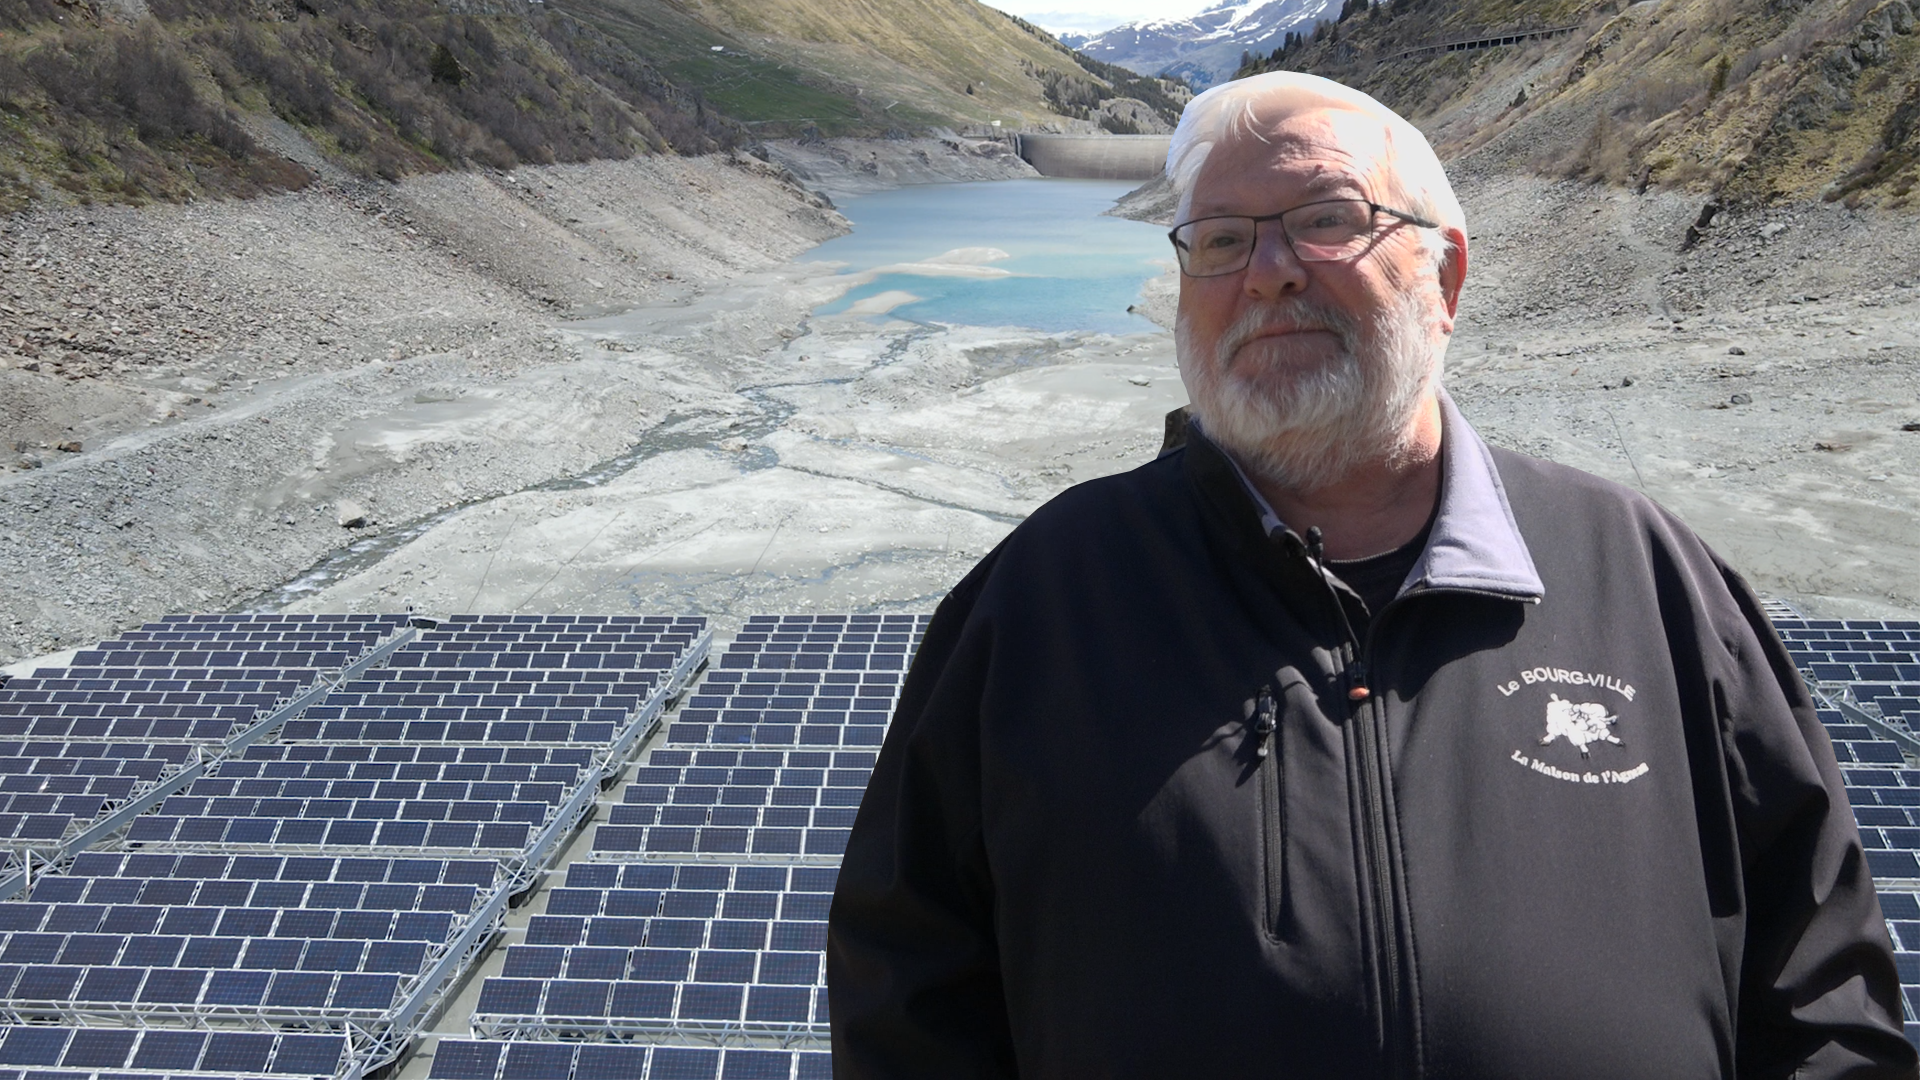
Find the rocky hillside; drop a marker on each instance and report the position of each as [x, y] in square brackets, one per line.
[1744, 101]
[132, 100]
[137, 100]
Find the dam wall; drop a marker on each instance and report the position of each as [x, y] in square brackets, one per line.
[1095, 157]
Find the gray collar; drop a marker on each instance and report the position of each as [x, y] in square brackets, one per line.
[1475, 544]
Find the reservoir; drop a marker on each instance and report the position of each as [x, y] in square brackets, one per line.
[1028, 253]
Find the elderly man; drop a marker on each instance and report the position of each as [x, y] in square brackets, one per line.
[1340, 743]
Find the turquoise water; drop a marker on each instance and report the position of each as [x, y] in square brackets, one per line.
[1072, 268]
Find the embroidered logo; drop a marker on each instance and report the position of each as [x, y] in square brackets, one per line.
[1581, 724]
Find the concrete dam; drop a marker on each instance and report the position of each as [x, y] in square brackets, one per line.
[1095, 157]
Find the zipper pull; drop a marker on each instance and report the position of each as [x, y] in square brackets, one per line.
[1266, 716]
[1356, 673]
[1357, 691]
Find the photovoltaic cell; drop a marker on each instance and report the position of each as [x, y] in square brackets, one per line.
[33, 1046]
[313, 1055]
[237, 1052]
[98, 1048]
[455, 1059]
[538, 1061]
[168, 1050]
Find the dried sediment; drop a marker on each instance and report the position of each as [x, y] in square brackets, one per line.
[187, 392]
[233, 373]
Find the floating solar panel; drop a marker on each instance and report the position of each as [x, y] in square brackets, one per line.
[826, 642]
[285, 760]
[671, 933]
[266, 882]
[788, 708]
[796, 804]
[651, 948]
[57, 1053]
[1876, 663]
[274, 937]
[556, 680]
[484, 754]
[478, 1060]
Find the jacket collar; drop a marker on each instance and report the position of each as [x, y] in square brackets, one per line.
[1475, 544]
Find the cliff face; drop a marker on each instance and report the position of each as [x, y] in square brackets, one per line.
[1751, 101]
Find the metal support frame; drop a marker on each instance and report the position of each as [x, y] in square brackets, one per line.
[196, 1017]
[329, 851]
[59, 855]
[398, 1024]
[721, 1033]
[1899, 736]
[695, 858]
[321, 687]
[374, 1037]
[133, 808]
[546, 843]
[647, 719]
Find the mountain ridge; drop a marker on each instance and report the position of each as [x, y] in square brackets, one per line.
[1208, 46]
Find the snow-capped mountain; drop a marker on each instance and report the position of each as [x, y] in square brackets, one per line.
[1206, 47]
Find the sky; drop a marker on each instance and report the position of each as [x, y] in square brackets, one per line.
[1092, 16]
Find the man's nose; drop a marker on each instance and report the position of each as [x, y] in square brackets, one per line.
[1274, 269]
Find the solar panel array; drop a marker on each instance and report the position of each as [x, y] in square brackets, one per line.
[121, 718]
[691, 942]
[1869, 671]
[327, 879]
[315, 856]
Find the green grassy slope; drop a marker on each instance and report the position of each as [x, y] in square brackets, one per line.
[742, 81]
[920, 55]
[864, 67]
[105, 108]
[1748, 100]
[95, 104]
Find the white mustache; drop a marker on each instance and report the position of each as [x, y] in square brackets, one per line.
[1286, 315]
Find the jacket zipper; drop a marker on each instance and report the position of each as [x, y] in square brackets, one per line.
[1379, 864]
[1363, 711]
[1273, 818]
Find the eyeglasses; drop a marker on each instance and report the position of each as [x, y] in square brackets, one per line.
[1326, 231]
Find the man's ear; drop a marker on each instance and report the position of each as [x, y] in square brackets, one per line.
[1453, 269]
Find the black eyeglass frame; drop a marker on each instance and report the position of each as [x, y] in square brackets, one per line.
[1375, 208]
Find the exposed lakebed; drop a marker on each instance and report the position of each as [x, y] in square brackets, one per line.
[963, 355]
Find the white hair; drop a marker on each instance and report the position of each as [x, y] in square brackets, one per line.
[1245, 106]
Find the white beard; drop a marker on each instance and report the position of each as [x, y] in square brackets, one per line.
[1305, 428]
